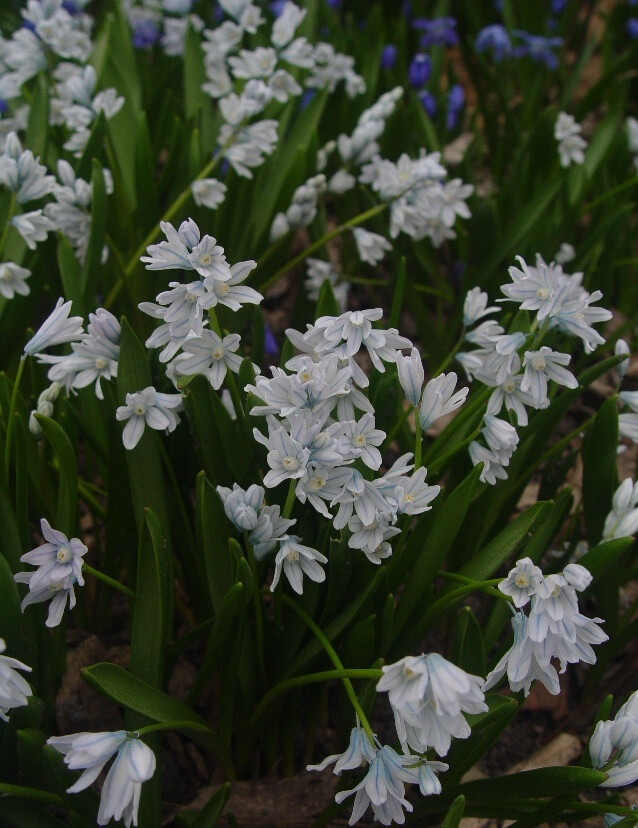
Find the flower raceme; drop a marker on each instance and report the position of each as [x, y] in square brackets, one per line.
[134, 764]
[59, 567]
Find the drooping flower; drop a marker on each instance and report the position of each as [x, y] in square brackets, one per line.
[14, 689]
[56, 329]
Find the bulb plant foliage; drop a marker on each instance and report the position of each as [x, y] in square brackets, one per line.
[299, 304]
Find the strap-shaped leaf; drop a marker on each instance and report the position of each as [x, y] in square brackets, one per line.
[455, 813]
[212, 528]
[91, 267]
[600, 476]
[153, 603]
[67, 471]
[38, 123]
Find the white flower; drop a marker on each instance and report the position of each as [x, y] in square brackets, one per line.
[33, 227]
[620, 349]
[59, 563]
[616, 741]
[13, 280]
[57, 328]
[208, 192]
[187, 250]
[14, 690]
[440, 399]
[564, 254]
[571, 144]
[411, 375]
[242, 505]
[429, 695]
[622, 521]
[371, 246]
[286, 457]
[210, 355]
[297, 560]
[358, 752]
[21, 172]
[493, 466]
[541, 366]
[286, 24]
[522, 582]
[147, 407]
[475, 306]
[134, 764]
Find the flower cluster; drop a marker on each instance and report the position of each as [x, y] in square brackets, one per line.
[554, 628]
[14, 689]
[571, 144]
[59, 564]
[614, 745]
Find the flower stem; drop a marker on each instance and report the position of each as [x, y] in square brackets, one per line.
[353, 222]
[179, 202]
[310, 678]
[448, 359]
[417, 439]
[108, 580]
[332, 655]
[160, 726]
[259, 621]
[290, 499]
[10, 418]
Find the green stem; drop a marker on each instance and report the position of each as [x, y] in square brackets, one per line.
[259, 621]
[22, 792]
[89, 498]
[12, 407]
[179, 202]
[234, 395]
[160, 726]
[602, 808]
[448, 359]
[450, 598]
[353, 222]
[108, 580]
[540, 336]
[12, 204]
[332, 655]
[310, 678]
[417, 439]
[290, 499]
[631, 182]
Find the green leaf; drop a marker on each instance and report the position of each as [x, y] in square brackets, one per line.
[212, 530]
[153, 604]
[326, 303]
[84, 165]
[197, 103]
[144, 461]
[10, 614]
[38, 123]
[208, 816]
[136, 695]
[10, 545]
[468, 646]
[601, 558]
[455, 813]
[67, 471]
[397, 295]
[431, 540]
[18, 813]
[198, 395]
[70, 274]
[600, 476]
[93, 262]
[544, 782]
[492, 556]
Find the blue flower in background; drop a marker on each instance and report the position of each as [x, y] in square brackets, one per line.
[305, 99]
[496, 39]
[632, 27]
[277, 7]
[70, 7]
[455, 102]
[334, 4]
[538, 48]
[428, 102]
[4, 106]
[558, 6]
[145, 34]
[419, 71]
[389, 56]
[440, 31]
[270, 343]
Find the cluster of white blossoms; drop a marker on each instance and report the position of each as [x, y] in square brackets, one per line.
[319, 271]
[622, 520]
[614, 745]
[571, 144]
[134, 764]
[317, 443]
[59, 564]
[14, 689]
[50, 32]
[554, 629]
[429, 697]
[520, 377]
[188, 345]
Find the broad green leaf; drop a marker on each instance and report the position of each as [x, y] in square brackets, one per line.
[326, 303]
[455, 813]
[506, 543]
[21, 813]
[197, 103]
[70, 274]
[144, 461]
[208, 816]
[600, 476]
[431, 541]
[212, 531]
[152, 611]
[10, 615]
[67, 470]
[136, 695]
[92, 263]
[543, 782]
[601, 558]
[208, 442]
[468, 647]
[38, 123]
